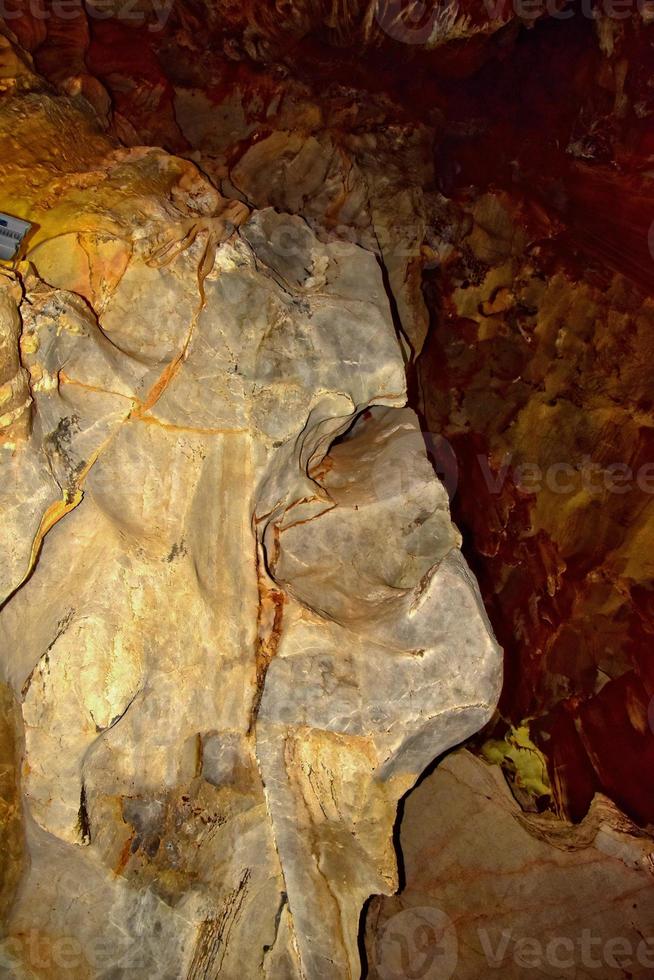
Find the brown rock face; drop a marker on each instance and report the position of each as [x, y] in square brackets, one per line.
[12, 861]
[490, 891]
[536, 370]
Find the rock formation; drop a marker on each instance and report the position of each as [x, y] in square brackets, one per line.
[301, 276]
[513, 896]
[236, 620]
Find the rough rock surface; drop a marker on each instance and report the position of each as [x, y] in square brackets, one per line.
[235, 617]
[537, 373]
[494, 892]
[500, 177]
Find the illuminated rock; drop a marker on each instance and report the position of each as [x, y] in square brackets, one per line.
[236, 615]
[493, 890]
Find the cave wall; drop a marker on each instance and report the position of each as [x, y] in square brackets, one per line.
[537, 372]
[236, 633]
[468, 197]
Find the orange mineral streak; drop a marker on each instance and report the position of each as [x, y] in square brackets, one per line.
[55, 512]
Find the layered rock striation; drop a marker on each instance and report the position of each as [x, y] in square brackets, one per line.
[236, 621]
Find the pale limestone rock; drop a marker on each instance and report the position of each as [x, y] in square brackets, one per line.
[236, 617]
[494, 891]
[15, 397]
[362, 188]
